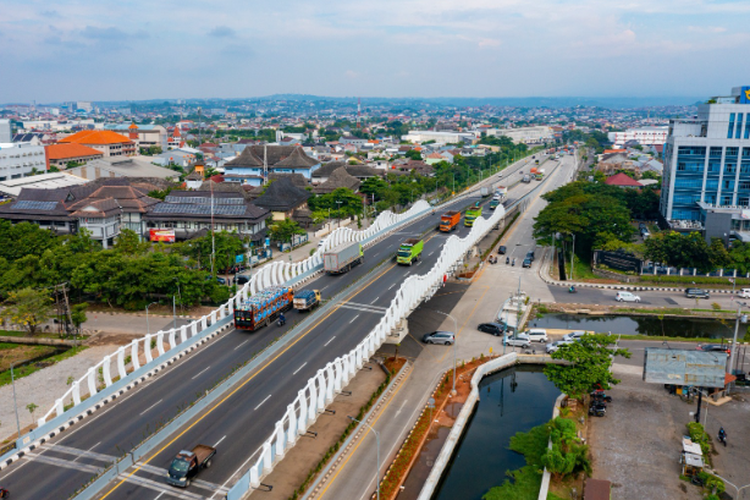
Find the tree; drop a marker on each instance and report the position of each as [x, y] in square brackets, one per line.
[128, 242]
[29, 308]
[284, 230]
[413, 154]
[589, 360]
[718, 254]
[78, 314]
[566, 454]
[680, 250]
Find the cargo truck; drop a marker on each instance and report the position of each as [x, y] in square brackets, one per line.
[188, 463]
[449, 221]
[471, 214]
[526, 178]
[484, 191]
[342, 258]
[304, 300]
[263, 308]
[409, 251]
[501, 192]
[539, 175]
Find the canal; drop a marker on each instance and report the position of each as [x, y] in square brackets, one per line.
[643, 325]
[512, 400]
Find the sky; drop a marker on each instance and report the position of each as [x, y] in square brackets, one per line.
[135, 49]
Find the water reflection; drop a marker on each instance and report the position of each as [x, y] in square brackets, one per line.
[631, 325]
[512, 400]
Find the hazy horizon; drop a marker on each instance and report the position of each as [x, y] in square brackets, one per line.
[125, 51]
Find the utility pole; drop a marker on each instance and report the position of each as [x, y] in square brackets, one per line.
[733, 355]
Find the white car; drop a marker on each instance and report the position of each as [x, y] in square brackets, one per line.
[520, 340]
[627, 297]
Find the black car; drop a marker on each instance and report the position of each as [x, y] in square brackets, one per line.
[241, 279]
[501, 250]
[696, 293]
[530, 255]
[527, 262]
[495, 329]
[714, 348]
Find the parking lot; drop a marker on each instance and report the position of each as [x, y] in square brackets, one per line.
[637, 444]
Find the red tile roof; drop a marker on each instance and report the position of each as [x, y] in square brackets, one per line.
[622, 180]
[99, 137]
[64, 151]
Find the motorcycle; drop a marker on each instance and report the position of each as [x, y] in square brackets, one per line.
[281, 322]
[572, 289]
[601, 395]
[597, 411]
[597, 404]
[722, 437]
[4, 493]
[507, 260]
[513, 263]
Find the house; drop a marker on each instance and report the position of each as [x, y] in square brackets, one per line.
[324, 172]
[20, 159]
[181, 157]
[623, 181]
[59, 155]
[194, 213]
[108, 142]
[338, 179]
[144, 136]
[256, 163]
[13, 187]
[283, 199]
[176, 140]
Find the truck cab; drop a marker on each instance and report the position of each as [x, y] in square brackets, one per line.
[186, 464]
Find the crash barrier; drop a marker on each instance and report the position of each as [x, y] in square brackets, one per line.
[146, 356]
[320, 389]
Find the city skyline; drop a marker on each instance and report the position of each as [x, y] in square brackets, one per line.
[474, 48]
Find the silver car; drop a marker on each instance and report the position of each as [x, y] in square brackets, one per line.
[520, 340]
[439, 337]
[553, 346]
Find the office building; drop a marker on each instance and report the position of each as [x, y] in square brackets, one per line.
[21, 159]
[645, 136]
[5, 135]
[706, 183]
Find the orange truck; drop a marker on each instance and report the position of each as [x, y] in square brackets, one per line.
[449, 221]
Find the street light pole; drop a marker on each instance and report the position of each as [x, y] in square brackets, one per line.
[377, 441]
[15, 403]
[572, 256]
[148, 329]
[733, 355]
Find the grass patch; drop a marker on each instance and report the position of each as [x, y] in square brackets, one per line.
[26, 370]
[581, 270]
[669, 339]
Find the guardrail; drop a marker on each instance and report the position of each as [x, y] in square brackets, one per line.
[320, 389]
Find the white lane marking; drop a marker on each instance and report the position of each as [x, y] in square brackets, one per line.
[355, 317]
[326, 344]
[219, 441]
[376, 299]
[298, 369]
[200, 372]
[160, 495]
[150, 407]
[79, 456]
[392, 286]
[245, 342]
[431, 253]
[402, 406]
[261, 403]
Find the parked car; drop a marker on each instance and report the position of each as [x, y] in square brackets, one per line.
[520, 340]
[627, 297]
[574, 336]
[697, 293]
[501, 250]
[439, 337]
[241, 279]
[536, 334]
[745, 293]
[715, 348]
[526, 262]
[554, 346]
[495, 329]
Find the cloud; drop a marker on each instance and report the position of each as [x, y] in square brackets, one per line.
[489, 42]
[707, 29]
[110, 34]
[351, 74]
[50, 13]
[222, 32]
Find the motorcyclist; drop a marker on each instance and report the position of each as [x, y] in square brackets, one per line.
[572, 289]
[723, 436]
[4, 493]
[507, 260]
[282, 318]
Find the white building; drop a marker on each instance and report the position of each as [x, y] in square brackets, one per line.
[646, 136]
[20, 159]
[524, 135]
[420, 136]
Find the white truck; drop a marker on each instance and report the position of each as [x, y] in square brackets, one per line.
[342, 258]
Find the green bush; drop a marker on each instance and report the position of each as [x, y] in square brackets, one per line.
[698, 435]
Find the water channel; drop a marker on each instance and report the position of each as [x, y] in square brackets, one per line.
[512, 400]
[644, 325]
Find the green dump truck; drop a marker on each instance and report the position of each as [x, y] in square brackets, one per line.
[471, 214]
[409, 251]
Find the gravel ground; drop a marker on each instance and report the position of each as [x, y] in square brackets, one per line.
[637, 444]
[43, 387]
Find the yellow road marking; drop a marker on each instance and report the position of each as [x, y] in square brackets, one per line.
[232, 393]
[351, 453]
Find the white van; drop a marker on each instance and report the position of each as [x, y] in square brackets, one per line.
[537, 334]
[745, 293]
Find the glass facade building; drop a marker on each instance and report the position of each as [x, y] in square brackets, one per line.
[707, 168]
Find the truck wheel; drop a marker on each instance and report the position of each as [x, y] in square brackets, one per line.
[208, 464]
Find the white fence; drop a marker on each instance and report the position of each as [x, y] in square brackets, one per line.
[141, 352]
[320, 390]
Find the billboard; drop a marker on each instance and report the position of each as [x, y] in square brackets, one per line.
[745, 95]
[165, 235]
[684, 367]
